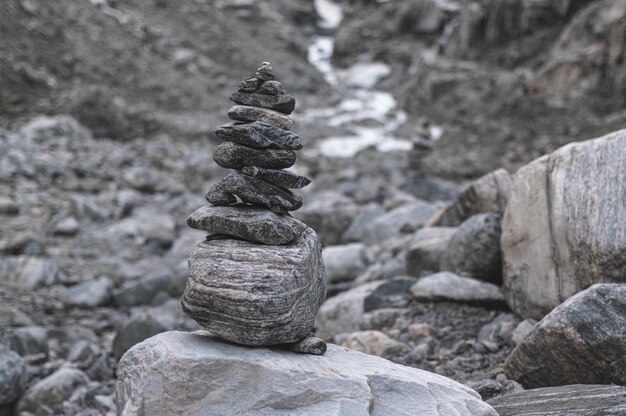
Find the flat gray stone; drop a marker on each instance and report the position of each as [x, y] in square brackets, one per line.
[248, 113]
[256, 295]
[254, 191]
[180, 373]
[283, 103]
[258, 135]
[580, 341]
[564, 228]
[446, 286]
[276, 177]
[570, 400]
[250, 223]
[235, 156]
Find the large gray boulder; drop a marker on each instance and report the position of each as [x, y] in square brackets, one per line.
[178, 373]
[571, 400]
[583, 341]
[256, 294]
[563, 229]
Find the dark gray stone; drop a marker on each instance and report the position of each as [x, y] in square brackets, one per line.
[570, 400]
[256, 295]
[250, 223]
[139, 327]
[143, 290]
[271, 88]
[235, 156]
[309, 345]
[248, 85]
[265, 72]
[259, 135]
[283, 103]
[248, 113]
[218, 196]
[474, 249]
[276, 177]
[426, 249]
[13, 376]
[580, 341]
[256, 192]
[488, 389]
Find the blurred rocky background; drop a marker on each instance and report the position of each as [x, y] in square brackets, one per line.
[415, 116]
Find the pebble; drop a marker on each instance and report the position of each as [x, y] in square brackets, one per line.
[67, 227]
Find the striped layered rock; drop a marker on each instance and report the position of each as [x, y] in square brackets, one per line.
[253, 294]
[247, 222]
[564, 229]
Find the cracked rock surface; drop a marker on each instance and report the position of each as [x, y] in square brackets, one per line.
[273, 381]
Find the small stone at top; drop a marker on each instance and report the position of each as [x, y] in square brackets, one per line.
[265, 72]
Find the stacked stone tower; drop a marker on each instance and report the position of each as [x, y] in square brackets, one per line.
[258, 278]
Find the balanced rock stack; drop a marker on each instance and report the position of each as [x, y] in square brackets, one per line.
[258, 278]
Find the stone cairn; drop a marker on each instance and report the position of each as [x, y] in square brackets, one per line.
[258, 278]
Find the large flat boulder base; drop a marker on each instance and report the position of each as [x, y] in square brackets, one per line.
[193, 374]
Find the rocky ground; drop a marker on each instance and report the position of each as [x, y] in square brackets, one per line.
[107, 112]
